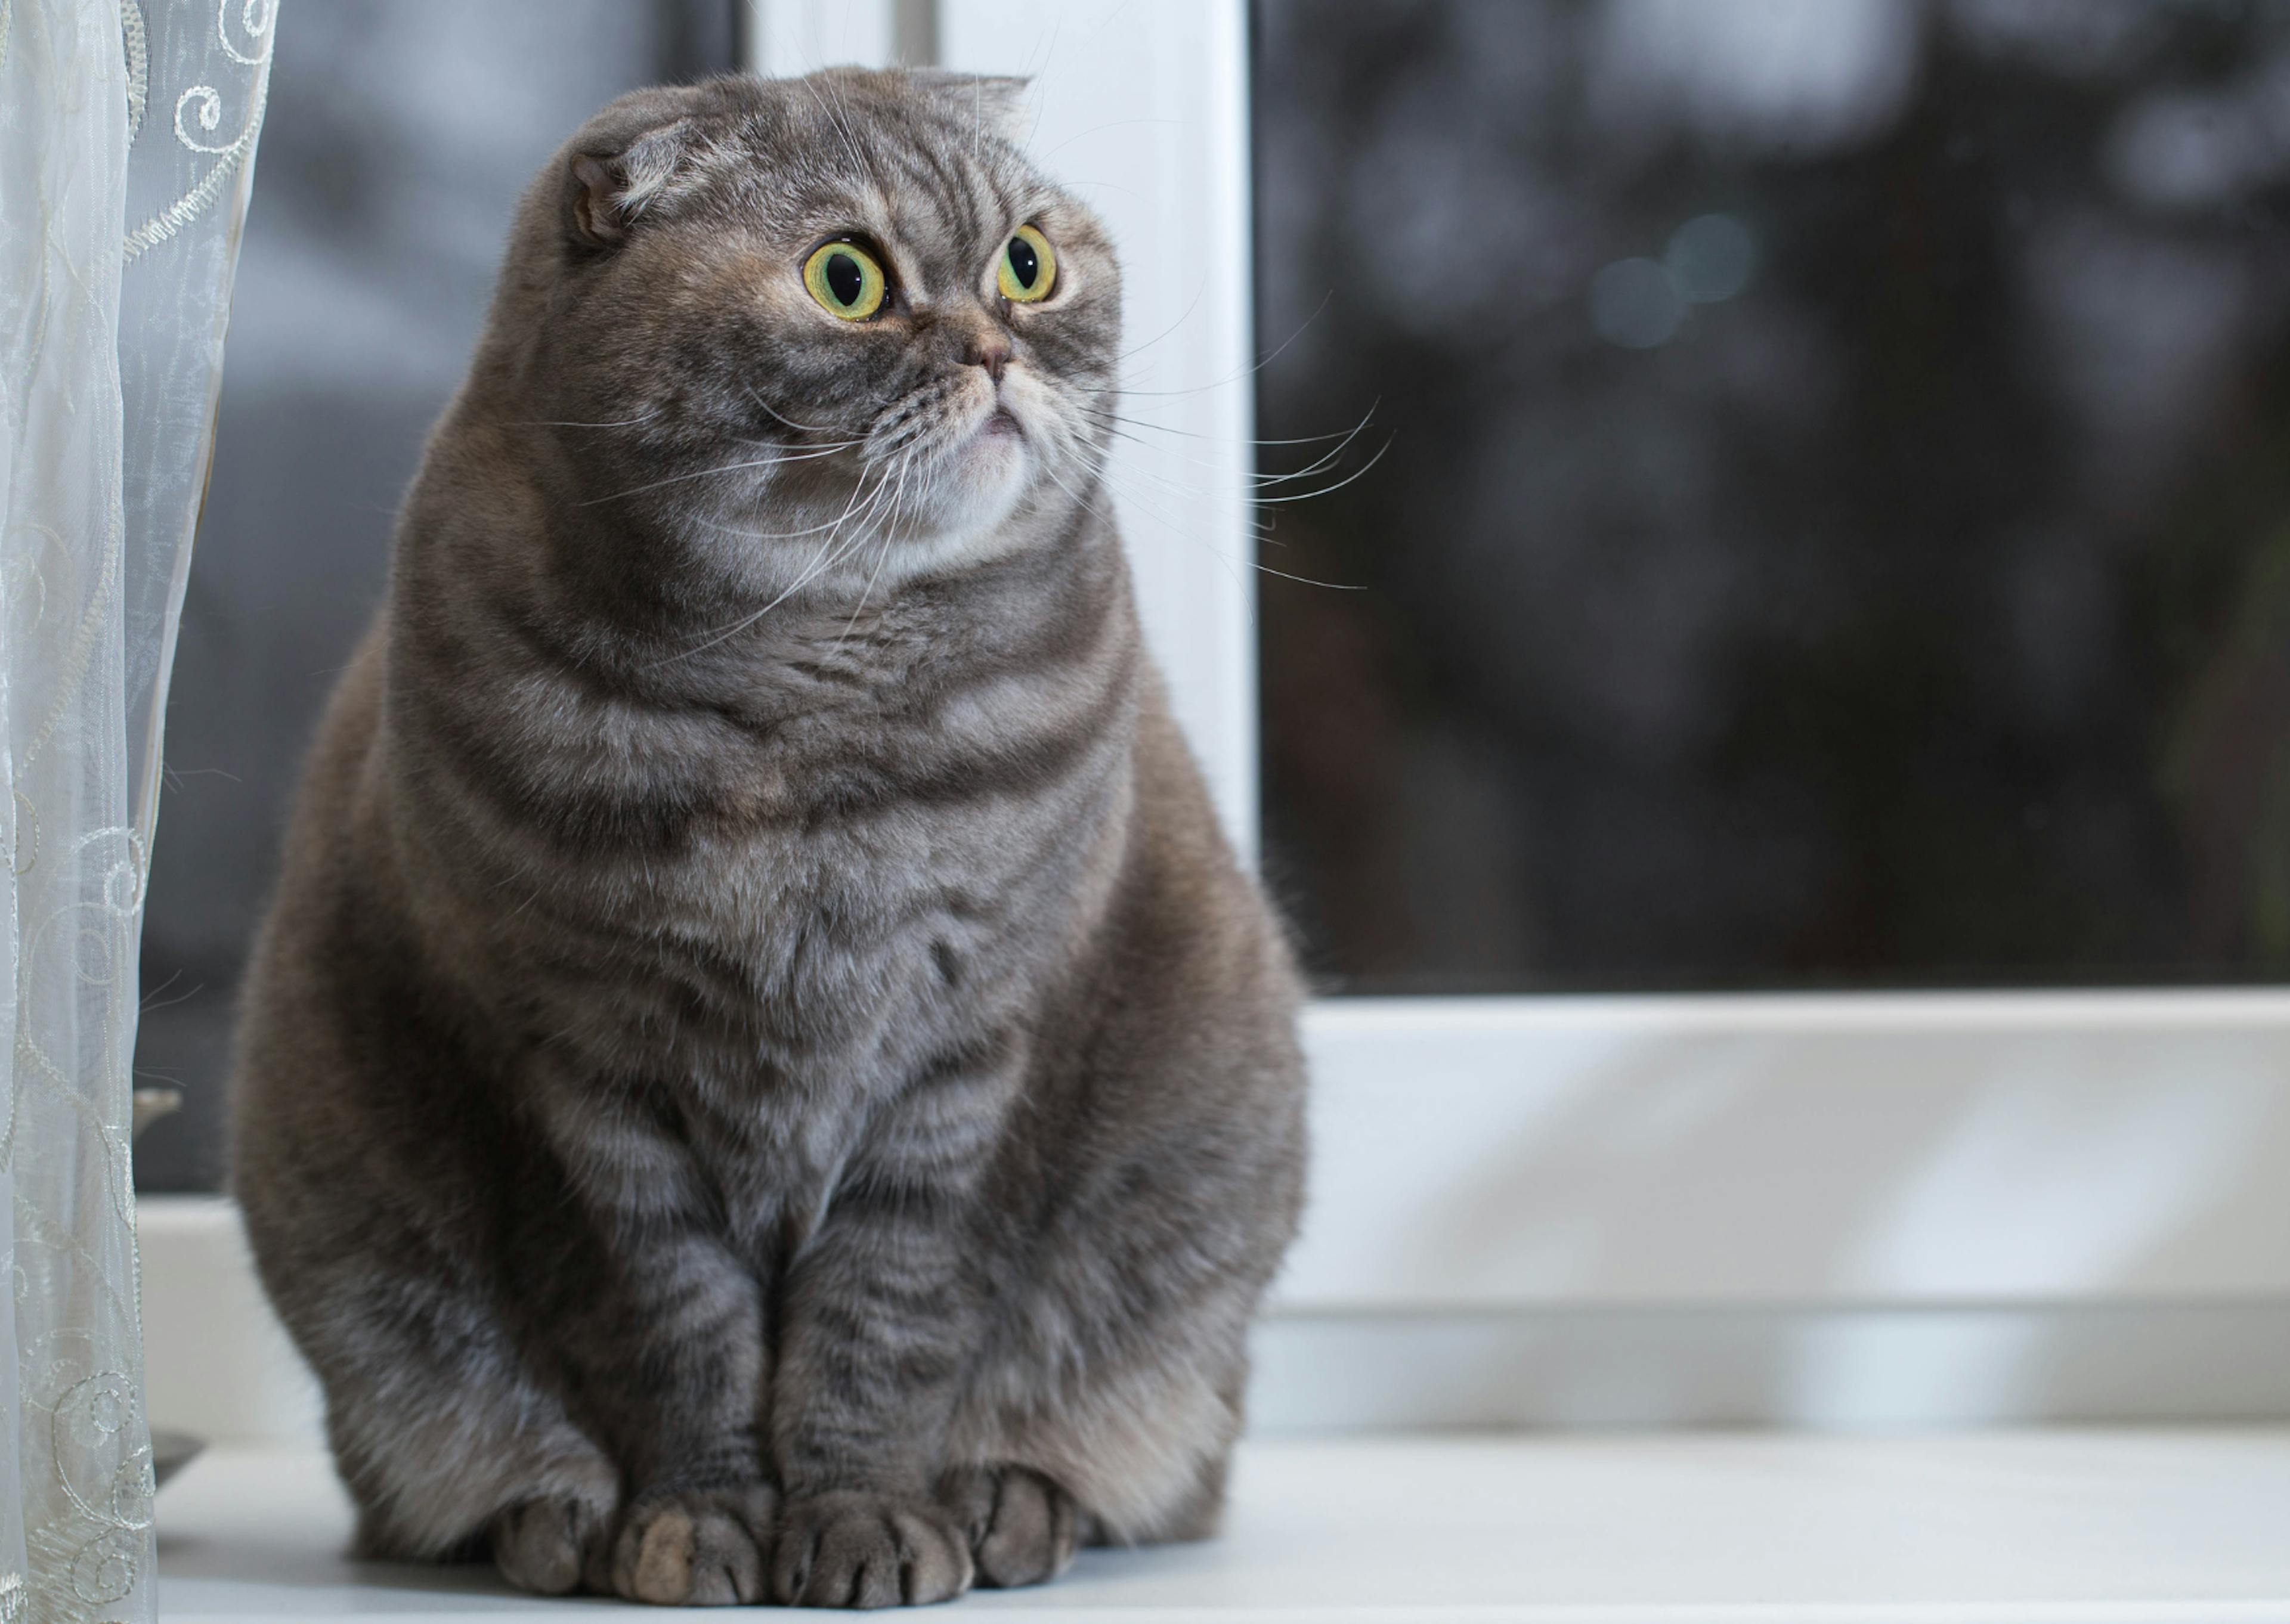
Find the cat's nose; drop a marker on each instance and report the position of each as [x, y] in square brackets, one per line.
[989, 350]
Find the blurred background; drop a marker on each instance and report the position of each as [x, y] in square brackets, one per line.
[1834, 530]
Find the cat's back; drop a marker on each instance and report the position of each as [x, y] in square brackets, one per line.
[297, 1103]
[331, 842]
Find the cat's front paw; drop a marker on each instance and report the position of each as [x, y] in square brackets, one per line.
[868, 1550]
[1022, 1528]
[693, 1548]
[545, 1545]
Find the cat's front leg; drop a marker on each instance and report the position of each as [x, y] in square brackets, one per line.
[880, 1322]
[668, 1352]
[662, 1328]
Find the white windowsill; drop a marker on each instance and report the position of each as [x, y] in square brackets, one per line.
[2175, 1527]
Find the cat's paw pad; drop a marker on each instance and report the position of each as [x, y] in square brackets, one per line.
[693, 1548]
[544, 1545]
[868, 1550]
[1023, 1528]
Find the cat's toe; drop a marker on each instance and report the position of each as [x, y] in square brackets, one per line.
[693, 1548]
[868, 1550]
[1023, 1528]
[544, 1544]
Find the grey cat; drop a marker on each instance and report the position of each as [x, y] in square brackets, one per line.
[764, 1079]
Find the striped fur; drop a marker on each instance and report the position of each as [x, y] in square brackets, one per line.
[762, 1080]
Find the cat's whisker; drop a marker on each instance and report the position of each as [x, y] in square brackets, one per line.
[732, 468]
[1188, 434]
[779, 416]
[869, 525]
[783, 445]
[1261, 504]
[1231, 564]
[1326, 462]
[1179, 487]
[1110, 481]
[1049, 471]
[890, 532]
[1108, 415]
[832, 552]
[771, 535]
[1177, 527]
[1323, 463]
[543, 422]
[1287, 498]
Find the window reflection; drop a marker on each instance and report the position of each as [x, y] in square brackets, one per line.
[1836, 523]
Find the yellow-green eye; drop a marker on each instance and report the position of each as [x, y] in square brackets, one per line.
[1029, 267]
[846, 280]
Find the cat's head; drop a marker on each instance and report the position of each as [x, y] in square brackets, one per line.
[785, 320]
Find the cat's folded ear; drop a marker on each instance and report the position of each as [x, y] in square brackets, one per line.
[608, 184]
[998, 101]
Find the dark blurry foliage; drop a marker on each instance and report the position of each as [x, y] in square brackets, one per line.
[1835, 526]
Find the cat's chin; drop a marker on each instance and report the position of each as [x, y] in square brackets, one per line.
[984, 478]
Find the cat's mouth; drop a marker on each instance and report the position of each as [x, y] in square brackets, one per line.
[997, 441]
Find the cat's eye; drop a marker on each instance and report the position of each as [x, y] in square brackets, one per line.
[846, 280]
[1029, 269]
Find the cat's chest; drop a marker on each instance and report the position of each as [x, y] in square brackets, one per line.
[894, 858]
[853, 884]
[869, 1025]
[876, 914]
[854, 948]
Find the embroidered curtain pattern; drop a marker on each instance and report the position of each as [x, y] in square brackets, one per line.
[127, 134]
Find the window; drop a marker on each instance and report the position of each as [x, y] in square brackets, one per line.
[1781, 788]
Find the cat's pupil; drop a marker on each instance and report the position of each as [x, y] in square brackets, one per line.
[1024, 262]
[845, 279]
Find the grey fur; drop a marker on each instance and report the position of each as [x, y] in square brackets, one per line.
[763, 1079]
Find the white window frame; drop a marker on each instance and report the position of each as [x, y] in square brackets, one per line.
[2101, 1171]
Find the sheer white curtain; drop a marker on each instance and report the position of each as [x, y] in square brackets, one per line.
[127, 133]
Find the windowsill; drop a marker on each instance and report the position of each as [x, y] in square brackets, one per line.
[2184, 1526]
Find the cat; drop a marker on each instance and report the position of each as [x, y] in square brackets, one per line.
[763, 1079]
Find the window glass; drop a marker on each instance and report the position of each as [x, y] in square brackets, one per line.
[1835, 524]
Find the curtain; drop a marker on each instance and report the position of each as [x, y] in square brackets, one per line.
[127, 134]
